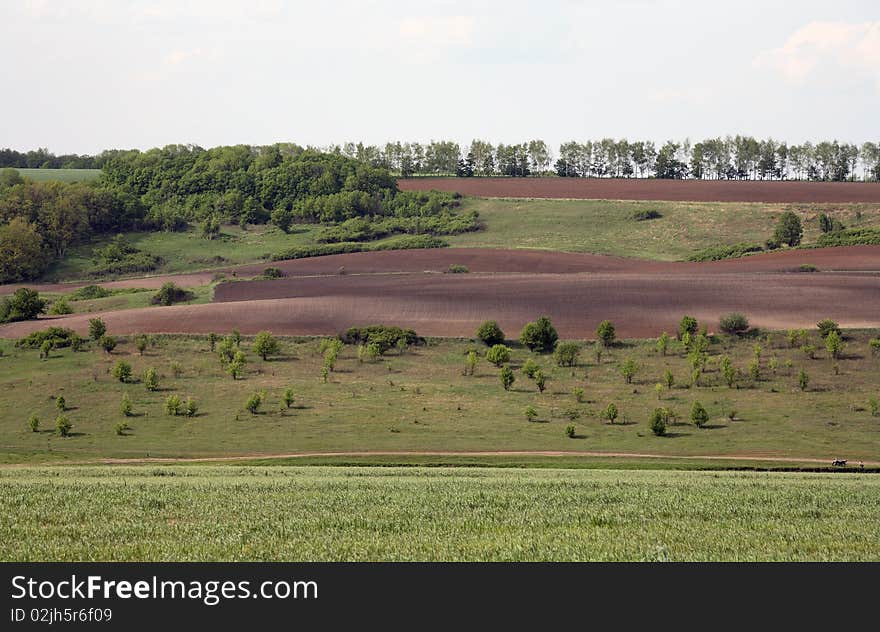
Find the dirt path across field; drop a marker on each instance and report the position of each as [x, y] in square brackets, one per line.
[649, 189]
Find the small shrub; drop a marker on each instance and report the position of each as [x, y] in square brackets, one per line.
[606, 333]
[826, 326]
[530, 413]
[287, 398]
[63, 426]
[498, 355]
[151, 379]
[141, 343]
[107, 343]
[265, 345]
[470, 363]
[273, 273]
[572, 413]
[567, 353]
[540, 335]
[642, 216]
[540, 380]
[668, 379]
[874, 346]
[34, 423]
[755, 371]
[61, 403]
[125, 406]
[97, 329]
[169, 294]
[191, 408]
[530, 367]
[176, 369]
[60, 307]
[570, 431]
[456, 268]
[834, 344]
[807, 267]
[663, 343]
[628, 370]
[734, 324]
[803, 380]
[874, 406]
[610, 413]
[658, 422]
[173, 405]
[699, 415]
[490, 333]
[121, 428]
[687, 324]
[46, 349]
[507, 377]
[658, 388]
[122, 371]
[578, 393]
[809, 351]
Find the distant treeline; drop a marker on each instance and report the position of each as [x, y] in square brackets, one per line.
[43, 159]
[730, 158]
[169, 188]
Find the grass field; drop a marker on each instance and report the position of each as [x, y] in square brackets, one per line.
[606, 227]
[126, 299]
[389, 514]
[63, 175]
[421, 401]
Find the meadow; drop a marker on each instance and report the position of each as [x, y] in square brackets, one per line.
[61, 175]
[421, 401]
[404, 514]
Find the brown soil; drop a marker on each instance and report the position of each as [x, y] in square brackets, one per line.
[577, 291]
[644, 189]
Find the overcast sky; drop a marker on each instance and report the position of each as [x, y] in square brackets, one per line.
[85, 75]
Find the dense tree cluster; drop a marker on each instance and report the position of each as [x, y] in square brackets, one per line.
[43, 159]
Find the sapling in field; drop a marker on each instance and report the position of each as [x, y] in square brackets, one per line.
[610, 413]
[507, 377]
[699, 415]
[540, 380]
[530, 413]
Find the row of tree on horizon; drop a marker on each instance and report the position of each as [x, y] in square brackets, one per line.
[728, 158]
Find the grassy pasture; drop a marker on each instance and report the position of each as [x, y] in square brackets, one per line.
[62, 175]
[392, 514]
[421, 401]
[606, 227]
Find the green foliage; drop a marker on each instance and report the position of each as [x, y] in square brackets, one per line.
[530, 413]
[717, 253]
[97, 328]
[699, 415]
[663, 343]
[567, 353]
[151, 379]
[61, 307]
[63, 426]
[61, 403]
[173, 405]
[235, 367]
[45, 349]
[122, 371]
[507, 377]
[789, 229]
[755, 370]
[470, 363]
[807, 267]
[383, 336]
[578, 393]
[90, 293]
[852, 237]
[540, 380]
[605, 333]
[273, 273]
[210, 227]
[873, 406]
[629, 369]
[169, 294]
[191, 408]
[874, 345]
[121, 428]
[834, 344]
[23, 255]
[490, 333]
[120, 257]
[658, 422]
[265, 345]
[212, 341]
[689, 325]
[826, 326]
[253, 403]
[809, 351]
[803, 380]
[498, 355]
[59, 338]
[645, 215]
[288, 398]
[572, 413]
[125, 406]
[107, 343]
[734, 323]
[668, 379]
[34, 423]
[407, 242]
[610, 413]
[539, 335]
[457, 268]
[25, 304]
[570, 431]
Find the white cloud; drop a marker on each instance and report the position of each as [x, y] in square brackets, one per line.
[839, 45]
[456, 30]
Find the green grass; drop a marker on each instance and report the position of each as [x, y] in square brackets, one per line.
[607, 227]
[62, 175]
[421, 402]
[128, 299]
[416, 514]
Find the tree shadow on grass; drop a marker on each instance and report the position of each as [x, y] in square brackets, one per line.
[713, 426]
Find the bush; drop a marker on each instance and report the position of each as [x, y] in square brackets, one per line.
[852, 237]
[498, 355]
[265, 345]
[34, 423]
[610, 413]
[490, 333]
[530, 413]
[641, 216]
[717, 253]
[173, 405]
[578, 393]
[570, 431]
[169, 294]
[539, 335]
[63, 426]
[687, 325]
[507, 378]
[25, 304]
[235, 368]
[90, 293]
[807, 267]
[58, 336]
[628, 370]
[61, 307]
[874, 345]
[273, 273]
[151, 379]
[699, 415]
[253, 403]
[567, 353]
[803, 380]
[530, 367]
[287, 398]
[826, 326]
[122, 371]
[121, 428]
[834, 344]
[572, 413]
[408, 242]
[191, 408]
[97, 328]
[141, 343]
[107, 343]
[606, 333]
[734, 323]
[383, 336]
[457, 268]
[470, 363]
[45, 349]
[540, 380]
[668, 379]
[663, 343]
[789, 229]
[125, 406]
[658, 422]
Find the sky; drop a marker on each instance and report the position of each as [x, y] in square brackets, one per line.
[80, 76]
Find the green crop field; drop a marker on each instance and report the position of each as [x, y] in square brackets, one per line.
[397, 514]
[421, 401]
[606, 227]
[62, 175]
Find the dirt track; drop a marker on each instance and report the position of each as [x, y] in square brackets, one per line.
[643, 298]
[644, 189]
